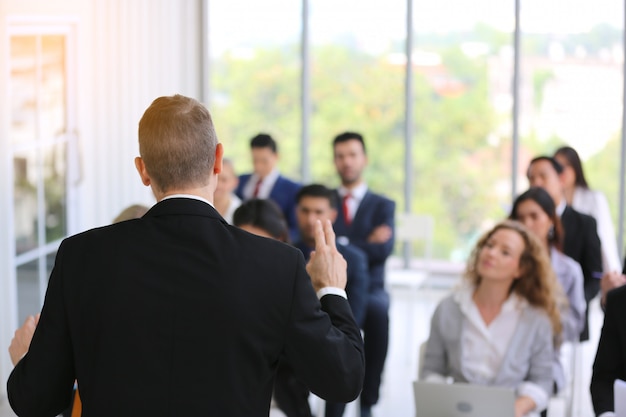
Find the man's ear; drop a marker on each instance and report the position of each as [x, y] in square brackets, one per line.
[219, 154]
[141, 169]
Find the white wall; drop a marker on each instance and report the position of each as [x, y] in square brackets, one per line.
[128, 53]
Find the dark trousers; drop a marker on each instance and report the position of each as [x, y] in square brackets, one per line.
[376, 341]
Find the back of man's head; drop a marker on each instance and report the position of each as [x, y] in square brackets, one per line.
[177, 143]
[346, 136]
[263, 140]
[317, 191]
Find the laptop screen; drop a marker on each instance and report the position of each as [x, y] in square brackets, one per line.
[462, 400]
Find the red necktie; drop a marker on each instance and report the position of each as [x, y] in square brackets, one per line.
[256, 188]
[346, 211]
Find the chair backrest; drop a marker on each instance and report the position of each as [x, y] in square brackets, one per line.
[413, 228]
[420, 358]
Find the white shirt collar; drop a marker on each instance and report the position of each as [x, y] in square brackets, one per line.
[266, 185]
[561, 207]
[357, 192]
[465, 293]
[191, 196]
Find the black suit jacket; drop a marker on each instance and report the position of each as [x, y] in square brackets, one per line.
[610, 362]
[177, 314]
[582, 244]
[358, 276]
[374, 210]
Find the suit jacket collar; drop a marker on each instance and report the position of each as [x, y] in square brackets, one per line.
[183, 206]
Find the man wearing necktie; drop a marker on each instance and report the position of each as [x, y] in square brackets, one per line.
[367, 222]
[266, 181]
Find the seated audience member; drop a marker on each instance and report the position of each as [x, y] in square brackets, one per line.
[535, 209]
[580, 240]
[224, 199]
[610, 362]
[264, 218]
[587, 201]
[366, 221]
[266, 180]
[498, 327]
[316, 202]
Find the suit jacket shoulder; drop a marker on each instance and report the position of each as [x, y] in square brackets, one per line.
[202, 307]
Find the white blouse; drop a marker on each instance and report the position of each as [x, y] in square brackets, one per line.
[595, 204]
[484, 346]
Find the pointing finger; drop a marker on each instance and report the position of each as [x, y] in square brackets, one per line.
[329, 234]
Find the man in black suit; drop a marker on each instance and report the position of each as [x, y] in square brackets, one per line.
[365, 220]
[178, 313]
[581, 241]
[610, 362]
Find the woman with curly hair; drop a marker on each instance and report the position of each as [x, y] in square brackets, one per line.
[498, 328]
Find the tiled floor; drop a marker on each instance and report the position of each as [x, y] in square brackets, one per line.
[411, 310]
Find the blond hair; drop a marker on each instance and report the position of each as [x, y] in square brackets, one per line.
[177, 143]
[537, 282]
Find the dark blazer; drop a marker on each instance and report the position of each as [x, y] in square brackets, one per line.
[374, 210]
[610, 362]
[283, 193]
[178, 313]
[358, 277]
[582, 244]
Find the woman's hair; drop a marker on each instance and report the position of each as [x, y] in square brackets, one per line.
[543, 200]
[264, 214]
[131, 212]
[537, 282]
[573, 160]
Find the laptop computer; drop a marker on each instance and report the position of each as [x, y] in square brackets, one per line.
[462, 400]
[619, 394]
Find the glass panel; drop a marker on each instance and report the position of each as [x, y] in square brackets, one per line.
[28, 290]
[25, 171]
[23, 84]
[55, 191]
[255, 77]
[572, 78]
[358, 85]
[53, 87]
[463, 71]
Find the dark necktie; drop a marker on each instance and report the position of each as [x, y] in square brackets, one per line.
[255, 194]
[346, 210]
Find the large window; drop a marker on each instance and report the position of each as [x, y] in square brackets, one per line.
[462, 151]
[255, 63]
[571, 87]
[463, 67]
[357, 84]
[39, 126]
